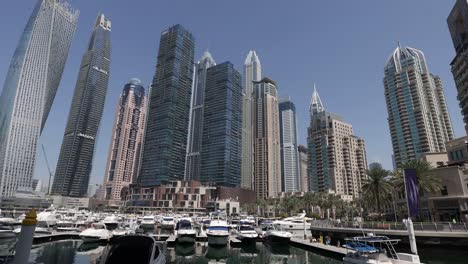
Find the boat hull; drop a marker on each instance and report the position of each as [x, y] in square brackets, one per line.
[91, 239]
[218, 240]
[186, 238]
[277, 239]
[349, 260]
[167, 226]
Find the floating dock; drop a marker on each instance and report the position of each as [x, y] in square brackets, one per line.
[337, 252]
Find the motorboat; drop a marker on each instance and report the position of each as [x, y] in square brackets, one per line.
[38, 231]
[6, 231]
[218, 233]
[111, 222]
[167, 222]
[67, 226]
[9, 221]
[47, 218]
[249, 220]
[274, 234]
[184, 231]
[133, 249]
[97, 232]
[205, 223]
[148, 222]
[375, 250]
[294, 223]
[246, 233]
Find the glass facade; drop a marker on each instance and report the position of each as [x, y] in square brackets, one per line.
[290, 168]
[165, 142]
[76, 154]
[29, 90]
[222, 126]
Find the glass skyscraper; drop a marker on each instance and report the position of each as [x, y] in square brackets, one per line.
[193, 160]
[417, 112]
[76, 154]
[222, 126]
[458, 25]
[252, 72]
[290, 168]
[165, 144]
[29, 90]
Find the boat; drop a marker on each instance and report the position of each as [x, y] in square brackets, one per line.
[294, 223]
[167, 222]
[375, 250]
[47, 218]
[6, 231]
[97, 232]
[111, 222]
[133, 249]
[218, 233]
[185, 233]
[67, 226]
[148, 222]
[274, 234]
[246, 233]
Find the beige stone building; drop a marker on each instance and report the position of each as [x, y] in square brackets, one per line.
[125, 149]
[303, 168]
[266, 136]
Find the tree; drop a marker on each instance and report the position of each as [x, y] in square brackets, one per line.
[377, 187]
[427, 181]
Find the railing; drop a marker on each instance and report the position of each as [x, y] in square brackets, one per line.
[396, 226]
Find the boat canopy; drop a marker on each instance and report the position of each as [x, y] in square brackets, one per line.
[218, 228]
[360, 247]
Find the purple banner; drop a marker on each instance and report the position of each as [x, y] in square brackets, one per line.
[412, 192]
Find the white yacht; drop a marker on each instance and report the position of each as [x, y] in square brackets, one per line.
[185, 232]
[111, 222]
[47, 218]
[97, 232]
[67, 226]
[376, 250]
[6, 231]
[167, 222]
[218, 232]
[274, 234]
[37, 232]
[246, 233]
[148, 222]
[294, 223]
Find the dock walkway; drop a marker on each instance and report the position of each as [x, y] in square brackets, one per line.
[319, 246]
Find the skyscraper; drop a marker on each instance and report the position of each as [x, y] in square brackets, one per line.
[252, 72]
[337, 158]
[222, 126]
[266, 136]
[458, 25]
[303, 163]
[29, 90]
[417, 112]
[193, 161]
[76, 154]
[290, 168]
[165, 142]
[126, 143]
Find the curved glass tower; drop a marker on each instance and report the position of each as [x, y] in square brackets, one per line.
[76, 155]
[29, 89]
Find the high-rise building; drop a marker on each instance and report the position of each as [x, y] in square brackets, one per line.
[194, 143]
[252, 72]
[76, 154]
[303, 164]
[29, 90]
[222, 127]
[123, 160]
[458, 26]
[417, 112]
[266, 137]
[337, 158]
[290, 166]
[165, 144]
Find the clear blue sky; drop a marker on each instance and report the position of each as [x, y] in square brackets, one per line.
[340, 45]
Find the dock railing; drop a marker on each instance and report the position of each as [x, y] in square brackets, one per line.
[397, 226]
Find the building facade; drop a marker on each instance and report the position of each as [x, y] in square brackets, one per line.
[29, 90]
[417, 112]
[165, 144]
[303, 165]
[123, 160]
[222, 127]
[194, 143]
[290, 163]
[76, 154]
[266, 135]
[337, 158]
[458, 26]
[252, 72]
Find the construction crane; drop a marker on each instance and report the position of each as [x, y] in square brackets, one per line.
[48, 167]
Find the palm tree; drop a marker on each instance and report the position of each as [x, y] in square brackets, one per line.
[377, 187]
[427, 182]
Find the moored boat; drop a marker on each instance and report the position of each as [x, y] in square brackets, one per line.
[133, 249]
[97, 232]
[274, 234]
[246, 233]
[148, 222]
[167, 222]
[185, 232]
[218, 233]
